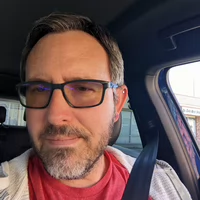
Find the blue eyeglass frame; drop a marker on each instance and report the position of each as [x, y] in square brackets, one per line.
[52, 86]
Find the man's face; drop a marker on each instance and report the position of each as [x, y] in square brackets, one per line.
[70, 140]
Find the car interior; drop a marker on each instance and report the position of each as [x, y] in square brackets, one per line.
[153, 36]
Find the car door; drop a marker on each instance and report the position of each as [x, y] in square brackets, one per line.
[153, 41]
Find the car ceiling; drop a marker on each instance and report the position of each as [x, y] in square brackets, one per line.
[141, 40]
[19, 15]
[135, 24]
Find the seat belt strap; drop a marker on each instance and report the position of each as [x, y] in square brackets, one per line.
[138, 185]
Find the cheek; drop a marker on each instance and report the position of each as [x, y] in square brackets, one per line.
[35, 121]
[97, 120]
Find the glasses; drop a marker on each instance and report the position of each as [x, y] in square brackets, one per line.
[78, 93]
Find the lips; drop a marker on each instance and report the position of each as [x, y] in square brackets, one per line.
[61, 138]
[65, 141]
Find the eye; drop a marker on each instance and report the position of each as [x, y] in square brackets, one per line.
[39, 88]
[42, 88]
[83, 89]
[86, 88]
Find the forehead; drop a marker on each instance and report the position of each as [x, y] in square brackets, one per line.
[67, 55]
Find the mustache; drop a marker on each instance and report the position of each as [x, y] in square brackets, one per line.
[64, 130]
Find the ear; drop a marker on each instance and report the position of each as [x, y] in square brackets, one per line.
[122, 95]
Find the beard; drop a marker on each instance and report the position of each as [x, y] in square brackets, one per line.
[71, 163]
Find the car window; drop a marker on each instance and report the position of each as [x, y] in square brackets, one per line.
[185, 84]
[14, 112]
[129, 136]
[171, 88]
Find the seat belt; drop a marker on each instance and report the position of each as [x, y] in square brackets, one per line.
[138, 185]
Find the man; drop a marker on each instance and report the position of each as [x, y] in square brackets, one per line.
[73, 90]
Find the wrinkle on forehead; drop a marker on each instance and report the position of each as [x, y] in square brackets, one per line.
[70, 45]
[74, 51]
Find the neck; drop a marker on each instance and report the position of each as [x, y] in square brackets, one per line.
[96, 174]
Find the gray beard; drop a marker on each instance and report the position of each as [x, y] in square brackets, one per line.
[72, 163]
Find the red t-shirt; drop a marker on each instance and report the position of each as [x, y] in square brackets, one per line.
[44, 187]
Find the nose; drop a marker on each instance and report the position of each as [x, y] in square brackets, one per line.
[58, 110]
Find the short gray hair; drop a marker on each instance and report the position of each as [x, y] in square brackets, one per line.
[61, 22]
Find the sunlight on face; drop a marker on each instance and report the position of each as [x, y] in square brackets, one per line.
[68, 140]
[71, 163]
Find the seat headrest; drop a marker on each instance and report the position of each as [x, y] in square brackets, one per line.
[2, 114]
[24, 118]
[116, 131]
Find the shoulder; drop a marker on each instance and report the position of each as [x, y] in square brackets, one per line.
[13, 174]
[126, 160]
[165, 182]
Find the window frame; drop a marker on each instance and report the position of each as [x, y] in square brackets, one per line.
[157, 88]
[133, 145]
[5, 101]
